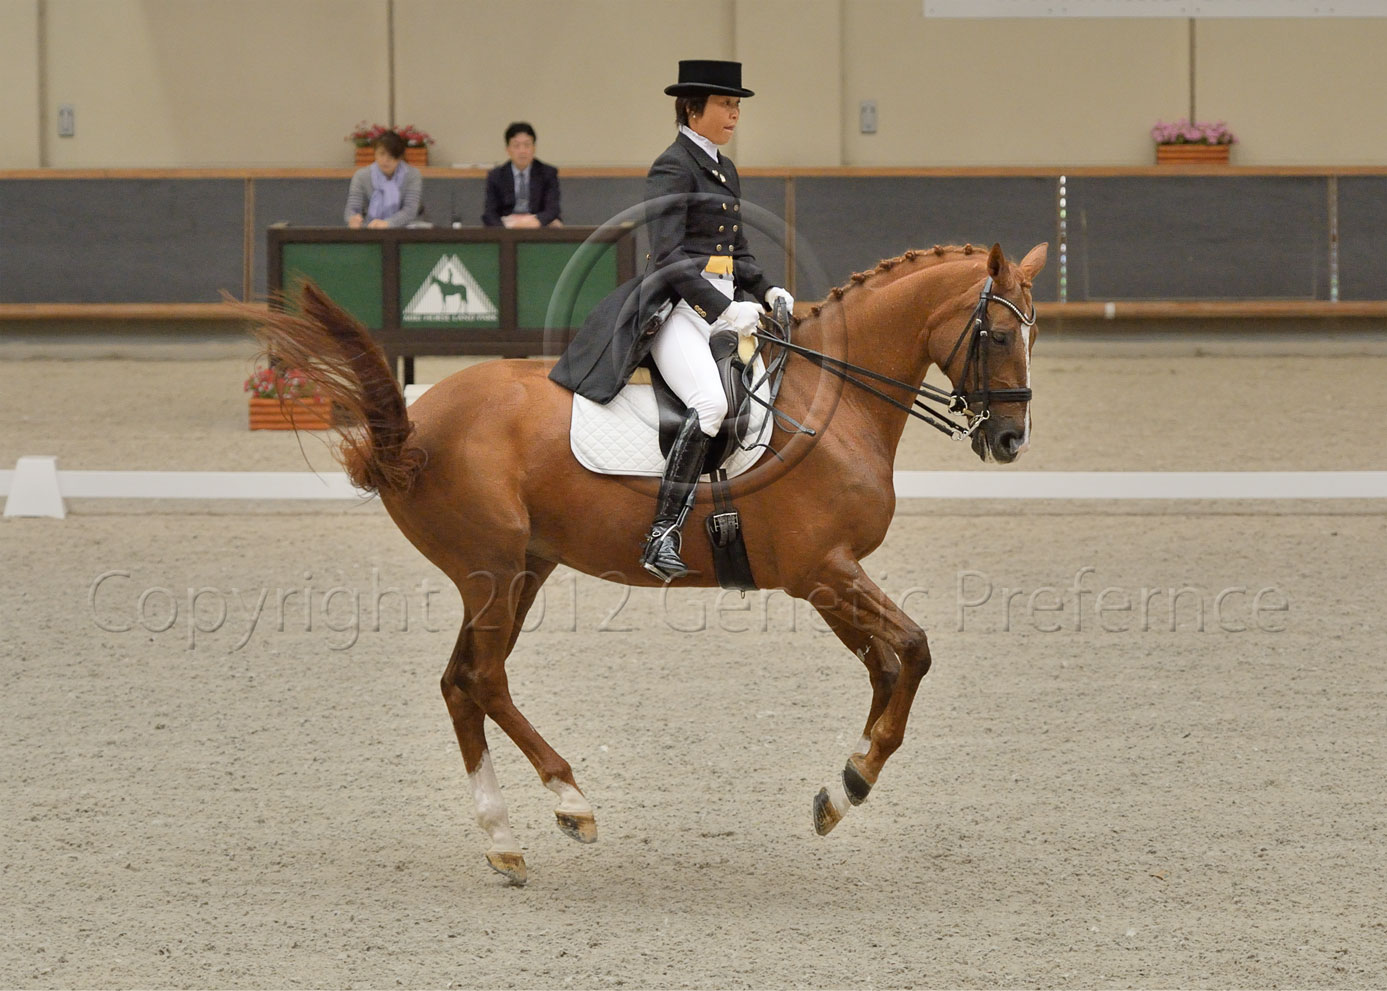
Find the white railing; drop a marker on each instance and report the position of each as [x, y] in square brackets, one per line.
[37, 487]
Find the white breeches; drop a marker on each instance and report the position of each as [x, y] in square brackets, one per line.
[681, 353]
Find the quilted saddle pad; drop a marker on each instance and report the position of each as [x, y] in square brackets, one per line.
[623, 436]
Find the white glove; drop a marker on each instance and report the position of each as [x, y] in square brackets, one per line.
[774, 293]
[741, 317]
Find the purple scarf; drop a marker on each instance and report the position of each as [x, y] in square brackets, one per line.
[386, 193]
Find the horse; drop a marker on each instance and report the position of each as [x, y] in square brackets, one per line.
[458, 289]
[479, 476]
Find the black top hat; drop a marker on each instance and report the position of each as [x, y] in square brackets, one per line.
[699, 76]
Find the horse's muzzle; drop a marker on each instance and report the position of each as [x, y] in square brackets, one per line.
[1003, 444]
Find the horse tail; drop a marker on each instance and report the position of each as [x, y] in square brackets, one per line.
[348, 369]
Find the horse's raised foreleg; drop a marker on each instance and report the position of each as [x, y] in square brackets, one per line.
[883, 669]
[868, 621]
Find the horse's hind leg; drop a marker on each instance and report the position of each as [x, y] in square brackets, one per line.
[574, 813]
[475, 685]
[504, 854]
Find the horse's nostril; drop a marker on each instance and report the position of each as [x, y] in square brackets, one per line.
[1009, 441]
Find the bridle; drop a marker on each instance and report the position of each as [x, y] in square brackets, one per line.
[962, 400]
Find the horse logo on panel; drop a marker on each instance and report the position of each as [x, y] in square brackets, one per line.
[450, 292]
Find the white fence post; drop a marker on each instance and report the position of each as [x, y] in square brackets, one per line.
[34, 488]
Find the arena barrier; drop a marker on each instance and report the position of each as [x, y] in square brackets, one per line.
[36, 487]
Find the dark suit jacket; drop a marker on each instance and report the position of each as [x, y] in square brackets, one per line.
[693, 213]
[500, 193]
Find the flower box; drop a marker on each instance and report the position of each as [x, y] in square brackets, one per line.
[1187, 142]
[414, 155]
[310, 413]
[1192, 154]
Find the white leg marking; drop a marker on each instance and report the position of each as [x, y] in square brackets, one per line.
[571, 800]
[837, 796]
[491, 807]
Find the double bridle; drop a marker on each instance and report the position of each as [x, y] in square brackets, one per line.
[977, 333]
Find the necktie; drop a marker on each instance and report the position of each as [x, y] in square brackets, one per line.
[522, 193]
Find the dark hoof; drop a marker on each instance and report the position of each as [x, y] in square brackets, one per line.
[825, 815]
[512, 865]
[857, 787]
[582, 828]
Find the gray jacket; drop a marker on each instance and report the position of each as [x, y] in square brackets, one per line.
[359, 195]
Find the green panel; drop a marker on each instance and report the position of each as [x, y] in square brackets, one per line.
[349, 273]
[538, 268]
[450, 284]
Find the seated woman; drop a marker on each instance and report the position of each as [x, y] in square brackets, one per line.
[386, 193]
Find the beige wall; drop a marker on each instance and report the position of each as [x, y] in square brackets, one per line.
[1296, 92]
[280, 82]
[1008, 92]
[793, 61]
[592, 88]
[19, 81]
[206, 83]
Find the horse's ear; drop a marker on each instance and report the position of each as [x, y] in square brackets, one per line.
[1035, 260]
[996, 262]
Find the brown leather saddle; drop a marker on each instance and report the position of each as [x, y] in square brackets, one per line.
[732, 370]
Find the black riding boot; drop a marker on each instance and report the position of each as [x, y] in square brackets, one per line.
[685, 464]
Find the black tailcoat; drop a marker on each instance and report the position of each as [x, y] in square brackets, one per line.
[693, 213]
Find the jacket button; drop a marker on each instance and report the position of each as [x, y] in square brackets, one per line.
[735, 228]
[721, 228]
[719, 247]
[737, 207]
[724, 206]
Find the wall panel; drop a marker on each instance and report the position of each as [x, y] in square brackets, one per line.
[121, 240]
[851, 224]
[1241, 237]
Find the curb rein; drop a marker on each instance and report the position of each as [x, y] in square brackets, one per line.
[977, 332]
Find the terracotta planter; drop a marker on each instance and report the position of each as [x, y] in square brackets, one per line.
[418, 157]
[1192, 154]
[300, 414]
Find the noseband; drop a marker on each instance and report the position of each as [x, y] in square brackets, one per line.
[975, 402]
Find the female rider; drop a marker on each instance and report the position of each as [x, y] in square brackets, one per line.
[702, 266]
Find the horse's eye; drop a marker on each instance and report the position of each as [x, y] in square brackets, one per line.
[1001, 337]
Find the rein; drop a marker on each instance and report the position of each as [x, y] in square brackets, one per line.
[977, 333]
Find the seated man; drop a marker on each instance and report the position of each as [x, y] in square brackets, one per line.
[387, 193]
[524, 192]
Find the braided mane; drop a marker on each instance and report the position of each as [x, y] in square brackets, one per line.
[939, 252]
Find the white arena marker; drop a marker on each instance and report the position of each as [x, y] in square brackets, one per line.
[414, 390]
[1141, 484]
[1109, 311]
[33, 488]
[37, 488]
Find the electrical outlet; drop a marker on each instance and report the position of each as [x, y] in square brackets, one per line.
[67, 120]
[867, 115]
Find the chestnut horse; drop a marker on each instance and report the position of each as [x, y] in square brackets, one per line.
[479, 476]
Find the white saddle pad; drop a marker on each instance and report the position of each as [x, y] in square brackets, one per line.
[623, 437]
